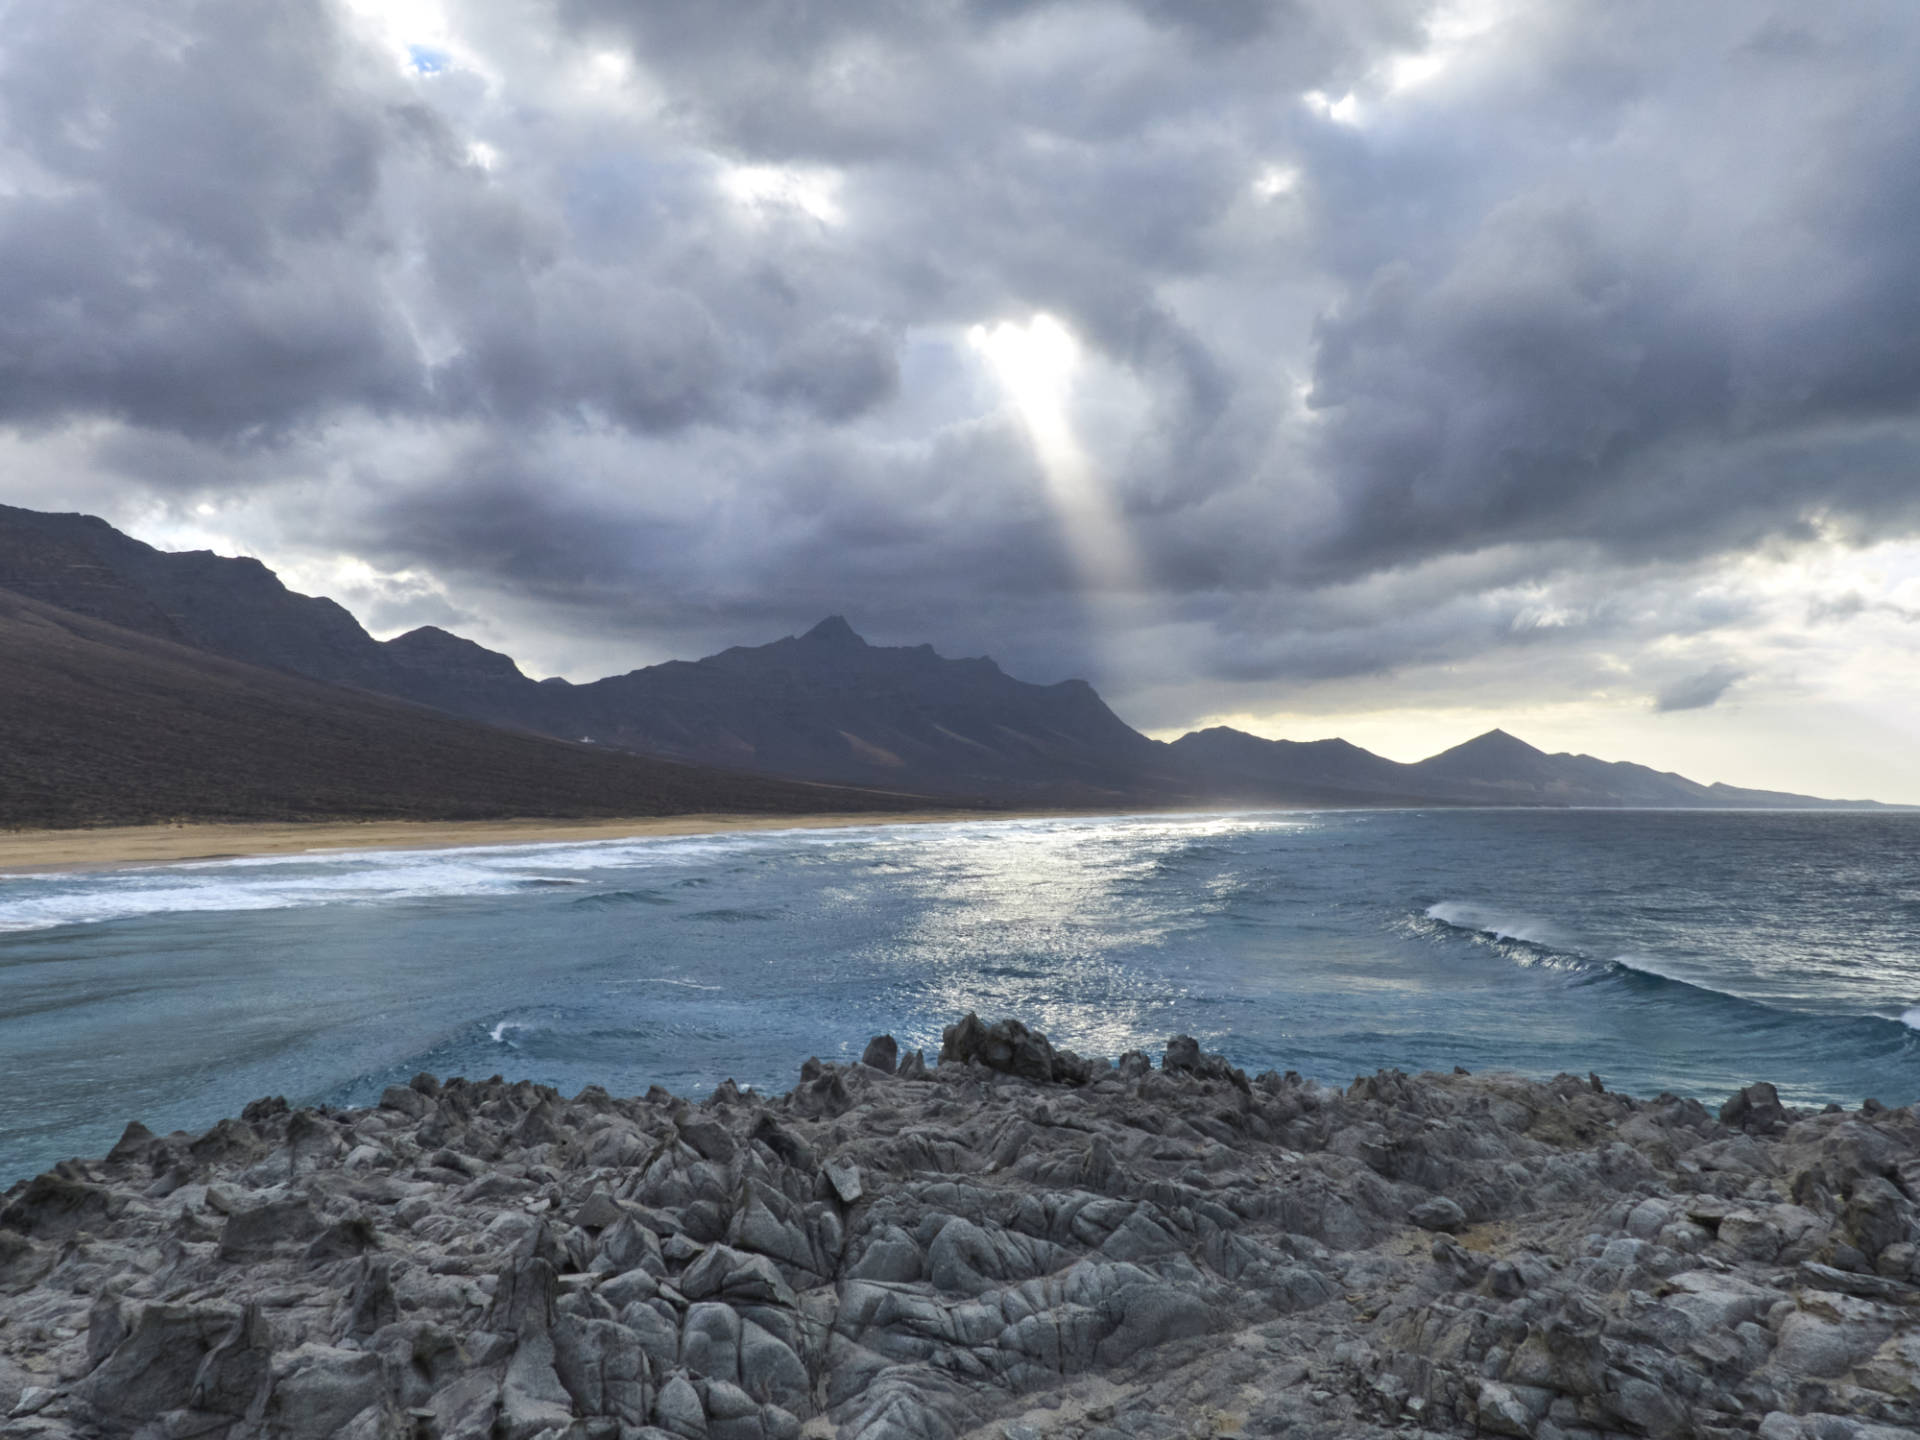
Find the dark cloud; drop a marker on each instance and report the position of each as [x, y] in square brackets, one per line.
[182, 246]
[1697, 692]
[652, 318]
[1840, 608]
[1714, 279]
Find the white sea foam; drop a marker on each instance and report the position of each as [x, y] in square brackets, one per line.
[87, 899]
[1652, 965]
[1911, 1018]
[280, 882]
[331, 877]
[1501, 925]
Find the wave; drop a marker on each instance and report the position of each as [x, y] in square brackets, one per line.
[329, 877]
[1525, 941]
[261, 883]
[626, 897]
[1656, 969]
[1500, 924]
[503, 1032]
[1534, 942]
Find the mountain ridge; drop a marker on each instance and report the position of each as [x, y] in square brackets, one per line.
[104, 725]
[823, 706]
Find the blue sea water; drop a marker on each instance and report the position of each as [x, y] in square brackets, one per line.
[1691, 952]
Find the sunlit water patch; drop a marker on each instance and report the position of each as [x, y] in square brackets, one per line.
[1691, 952]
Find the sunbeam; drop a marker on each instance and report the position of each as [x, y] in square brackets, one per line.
[1035, 365]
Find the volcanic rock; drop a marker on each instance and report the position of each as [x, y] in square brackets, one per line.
[1014, 1245]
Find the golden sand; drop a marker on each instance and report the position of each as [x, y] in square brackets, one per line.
[118, 845]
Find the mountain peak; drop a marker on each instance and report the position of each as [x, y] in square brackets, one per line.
[1495, 742]
[834, 630]
[1494, 754]
[429, 649]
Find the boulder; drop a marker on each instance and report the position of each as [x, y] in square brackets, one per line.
[52, 1206]
[1007, 1046]
[153, 1364]
[1756, 1109]
[1438, 1213]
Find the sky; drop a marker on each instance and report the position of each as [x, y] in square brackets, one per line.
[1390, 370]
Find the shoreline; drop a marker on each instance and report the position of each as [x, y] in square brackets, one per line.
[112, 847]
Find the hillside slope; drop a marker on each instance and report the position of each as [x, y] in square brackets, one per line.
[1491, 769]
[823, 706]
[829, 706]
[104, 725]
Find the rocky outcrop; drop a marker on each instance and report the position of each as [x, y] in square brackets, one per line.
[1014, 1243]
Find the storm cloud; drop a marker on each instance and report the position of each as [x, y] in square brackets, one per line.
[1697, 692]
[1403, 334]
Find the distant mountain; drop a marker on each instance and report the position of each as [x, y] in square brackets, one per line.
[823, 706]
[239, 609]
[1227, 764]
[104, 725]
[1492, 769]
[827, 705]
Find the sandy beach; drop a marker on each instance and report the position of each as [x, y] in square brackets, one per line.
[118, 845]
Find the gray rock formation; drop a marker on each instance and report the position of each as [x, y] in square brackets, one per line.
[1014, 1244]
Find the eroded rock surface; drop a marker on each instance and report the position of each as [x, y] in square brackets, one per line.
[1015, 1242]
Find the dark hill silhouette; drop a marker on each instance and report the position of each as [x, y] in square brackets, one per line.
[1491, 769]
[104, 725]
[823, 706]
[1229, 763]
[238, 608]
[828, 705]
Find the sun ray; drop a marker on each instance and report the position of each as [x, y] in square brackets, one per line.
[1035, 365]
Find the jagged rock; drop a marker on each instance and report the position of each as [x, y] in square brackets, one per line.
[1183, 1054]
[408, 1100]
[882, 1053]
[1756, 1108]
[728, 1273]
[1017, 1242]
[254, 1232]
[709, 1139]
[845, 1179]
[53, 1206]
[678, 1409]
[1006, 1045]
[604, 1368]
[153, 1364]
[318, 1391]
[234, 1375]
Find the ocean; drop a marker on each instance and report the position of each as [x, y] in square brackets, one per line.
[1685, 951]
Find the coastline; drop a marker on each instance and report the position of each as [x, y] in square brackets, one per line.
[116, 846]
[1005, 1238]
